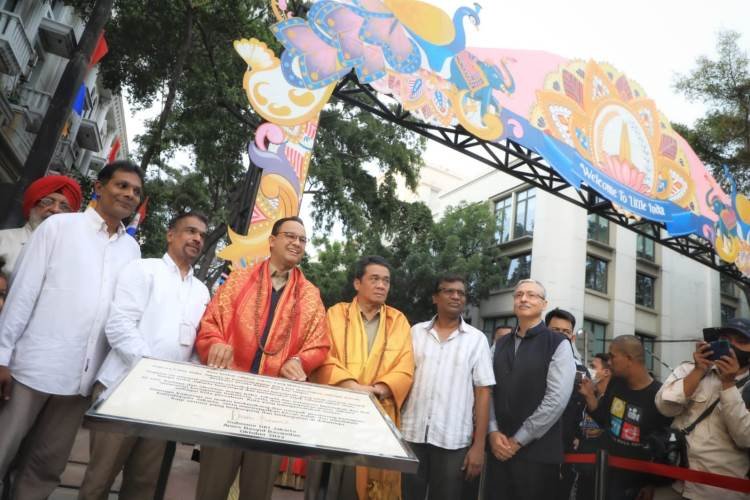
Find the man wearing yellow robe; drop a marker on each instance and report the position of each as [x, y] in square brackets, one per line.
[371, 351]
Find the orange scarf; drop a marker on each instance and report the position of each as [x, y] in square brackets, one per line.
[238, 313]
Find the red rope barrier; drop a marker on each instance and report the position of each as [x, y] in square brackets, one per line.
[580, 458]
[693, 476]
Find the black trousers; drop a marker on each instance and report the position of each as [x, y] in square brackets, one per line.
[519, 479]
[439, 476]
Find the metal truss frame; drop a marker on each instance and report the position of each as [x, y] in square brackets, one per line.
[525, 164]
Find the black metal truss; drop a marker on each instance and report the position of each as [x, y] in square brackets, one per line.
[525, 164]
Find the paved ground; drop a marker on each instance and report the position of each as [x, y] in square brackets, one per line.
[182, 478]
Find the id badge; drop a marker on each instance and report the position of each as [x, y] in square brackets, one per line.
[187, 334]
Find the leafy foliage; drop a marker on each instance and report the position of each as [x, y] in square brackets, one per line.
[722, 137]
[210, 119]
[461, 242]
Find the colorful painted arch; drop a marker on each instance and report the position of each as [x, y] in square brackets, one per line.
[595, 126]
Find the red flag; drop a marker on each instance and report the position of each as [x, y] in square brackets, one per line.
[138, 218]
[114, 150]
[99, 51]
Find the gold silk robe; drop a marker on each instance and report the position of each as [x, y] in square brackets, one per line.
[391, 361]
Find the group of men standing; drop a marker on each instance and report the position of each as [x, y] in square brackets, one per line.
[83, 308]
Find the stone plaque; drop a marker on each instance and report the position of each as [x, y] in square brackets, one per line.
[197, 404]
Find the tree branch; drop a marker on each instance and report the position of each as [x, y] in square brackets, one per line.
[179, 65]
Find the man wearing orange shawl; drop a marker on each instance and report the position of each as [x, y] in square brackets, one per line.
[371, 351]
[266, 319]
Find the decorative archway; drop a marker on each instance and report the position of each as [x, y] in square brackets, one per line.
[581, 130]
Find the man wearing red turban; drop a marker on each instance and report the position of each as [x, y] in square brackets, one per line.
[47, 196]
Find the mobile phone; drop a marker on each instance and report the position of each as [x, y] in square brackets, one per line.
[578, 379]
[720, 348]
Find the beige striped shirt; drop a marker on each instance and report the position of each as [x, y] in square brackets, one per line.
[440, 408]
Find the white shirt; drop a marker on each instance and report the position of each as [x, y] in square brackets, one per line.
[155, 313]
[440, 407]
[11, 244]
[52, 325]
[720, 442]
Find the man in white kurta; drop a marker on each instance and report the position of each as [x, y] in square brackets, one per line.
[157, 307]
[52, 329]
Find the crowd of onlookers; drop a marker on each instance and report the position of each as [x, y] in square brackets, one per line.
[492, 419]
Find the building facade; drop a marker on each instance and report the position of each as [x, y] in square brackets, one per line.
[37, 37]
[614, 281]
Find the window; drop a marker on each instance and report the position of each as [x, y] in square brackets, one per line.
[491, 323]
[644, 248]
[598, 229]
[515, 216]
[503, 216]
[649, 346]
[524, 213]
[596, 274]
[727, 312]
[726, 285]
[596, 333]
[515, 269]
[645, 290]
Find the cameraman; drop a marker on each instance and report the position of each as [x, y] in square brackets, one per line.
[720, 441]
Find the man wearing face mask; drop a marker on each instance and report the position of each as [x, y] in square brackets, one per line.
[720, 441]
[591, 433]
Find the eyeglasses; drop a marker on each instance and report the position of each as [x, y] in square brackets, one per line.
[48, 202]
[453, 291]
[379, 279]
[294, 237]
[531, 295]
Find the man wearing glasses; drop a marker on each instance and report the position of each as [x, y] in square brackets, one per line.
[266, 319]
[53, 194]
[535, 370]
[445, 417]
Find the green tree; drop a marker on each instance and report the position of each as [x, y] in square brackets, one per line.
[188, 65]
[461, 242]
[722, 137]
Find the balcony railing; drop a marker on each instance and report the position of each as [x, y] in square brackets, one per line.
[15, 47]
[36, 100]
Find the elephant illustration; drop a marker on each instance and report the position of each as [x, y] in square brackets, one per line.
[726, 235]
[480, 78]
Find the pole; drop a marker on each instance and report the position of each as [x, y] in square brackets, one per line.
[166, 466]
[246, 201]
[600, 475]
[585, 346]
[51, 128]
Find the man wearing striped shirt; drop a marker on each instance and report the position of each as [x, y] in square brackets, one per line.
[445, 417]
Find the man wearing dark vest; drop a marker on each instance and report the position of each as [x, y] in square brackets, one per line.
[534, 370]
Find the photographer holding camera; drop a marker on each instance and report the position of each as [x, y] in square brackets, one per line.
[704, 395]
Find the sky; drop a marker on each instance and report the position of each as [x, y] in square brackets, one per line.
[649, 40]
